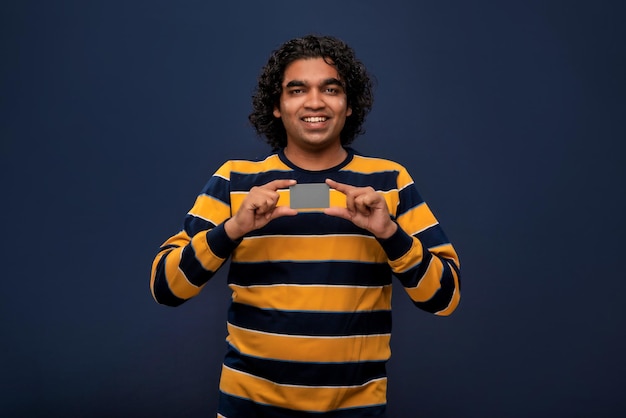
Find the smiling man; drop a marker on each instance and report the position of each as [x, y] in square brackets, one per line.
[309, 325]
[313, 109]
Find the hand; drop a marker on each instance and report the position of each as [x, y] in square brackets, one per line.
[365, 208]
[258, 209]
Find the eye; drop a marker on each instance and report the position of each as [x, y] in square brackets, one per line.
[296, 91]
[332, 90]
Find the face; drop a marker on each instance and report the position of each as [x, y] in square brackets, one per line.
[313, 105]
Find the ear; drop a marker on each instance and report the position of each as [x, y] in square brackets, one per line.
[276, 112]
[348, 111]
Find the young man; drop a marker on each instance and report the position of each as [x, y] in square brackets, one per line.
[310, 320]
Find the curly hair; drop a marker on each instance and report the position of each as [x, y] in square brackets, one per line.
[352, 72]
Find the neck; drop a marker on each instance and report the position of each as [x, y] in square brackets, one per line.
[316, 160]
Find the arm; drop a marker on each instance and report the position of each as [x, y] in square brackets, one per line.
[186, 261]
[419, 253]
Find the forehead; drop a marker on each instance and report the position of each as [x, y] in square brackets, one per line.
[310, 70]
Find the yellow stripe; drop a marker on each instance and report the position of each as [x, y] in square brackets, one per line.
[204, 255]
[251, 167]
[178, 283]
[284, 199]
[176, 280]
[237, 198]
[153, 270]
[210, 209]
[272, 162]
[337, 199]
[456, 297]
[180, 240]
[410, 259]
[224, 170]
[446, 251]
[309, 348]
[430, 282]
[302, 398]
[391, 198]
[314, 298]
[417, 219]
[404, 179]
[309, 248]
[366, 165]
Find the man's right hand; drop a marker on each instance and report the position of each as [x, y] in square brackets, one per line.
[258, 209]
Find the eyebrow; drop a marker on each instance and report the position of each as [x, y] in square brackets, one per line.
[327, 82]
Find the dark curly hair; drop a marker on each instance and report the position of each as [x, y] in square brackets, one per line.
[354, 75]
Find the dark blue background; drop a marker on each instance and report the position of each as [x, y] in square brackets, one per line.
[509, 115]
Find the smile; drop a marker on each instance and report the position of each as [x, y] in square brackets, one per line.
[315, 119]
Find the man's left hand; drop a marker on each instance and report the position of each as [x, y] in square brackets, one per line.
[365, 207]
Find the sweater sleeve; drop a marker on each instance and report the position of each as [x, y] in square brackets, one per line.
[420, 254]
[187, 260]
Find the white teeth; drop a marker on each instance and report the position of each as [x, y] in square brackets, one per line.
[315, 119]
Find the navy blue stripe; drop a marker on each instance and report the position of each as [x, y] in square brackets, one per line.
[452, 264]
[397, 245]
[310, 323]
[193, 225]
[234, 407]
[243, 182]
[325, 273]
[412, 277]
[218, 188]
[191, 267]
[382, 180]
[306, 374]
[311, 223]
[219, 242]
[433, 237]
[442, 297]
[166, 247]
[162, 292]
[409, 199]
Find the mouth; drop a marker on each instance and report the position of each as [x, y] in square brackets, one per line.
[315, 119]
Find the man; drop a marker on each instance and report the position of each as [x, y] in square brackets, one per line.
[310, 320]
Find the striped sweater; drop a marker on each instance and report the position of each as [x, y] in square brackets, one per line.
[309, 325]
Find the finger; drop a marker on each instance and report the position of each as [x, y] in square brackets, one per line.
[265, 205]
[351, 192]
[355, 199]
[338, 212]
[259, 196]
[279, 184]
[283, 211]
[340, 187]
[360, 204]
[368, 200]
[351, 203]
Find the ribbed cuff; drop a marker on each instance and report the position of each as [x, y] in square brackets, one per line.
[220, 243]
[396, 245]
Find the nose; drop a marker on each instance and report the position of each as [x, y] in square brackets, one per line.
[314, 99]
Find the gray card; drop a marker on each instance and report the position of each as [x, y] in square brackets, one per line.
[311, 195]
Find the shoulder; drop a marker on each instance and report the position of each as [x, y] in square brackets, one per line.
[377, 166]
[373, 163]
[250, 166]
